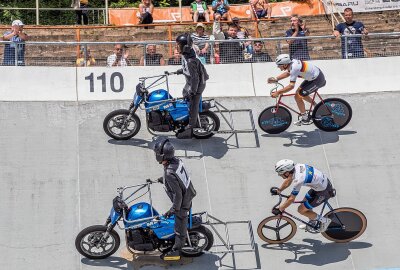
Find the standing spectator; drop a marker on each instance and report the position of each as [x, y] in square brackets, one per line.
[85, 58]
[15, 50]
[119, 58]
[258, 54]
[230, 52]
[354, 47]
[200, 40]
[199, 10]
[220, 8]
[145, 12]
[81, 11]
[152, 58]
[176, 59]
[243, 33]
[298, 48]
[261, 8]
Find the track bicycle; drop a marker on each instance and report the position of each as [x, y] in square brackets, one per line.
[329, 114]
[347, 224]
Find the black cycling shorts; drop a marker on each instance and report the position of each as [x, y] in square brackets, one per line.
[314, 198]
[308, 87]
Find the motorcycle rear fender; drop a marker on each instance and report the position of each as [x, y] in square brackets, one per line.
[114, 216]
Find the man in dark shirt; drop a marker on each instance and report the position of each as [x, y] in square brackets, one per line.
[258, 55]
[152, 58]
[298, 48]
[351, 46]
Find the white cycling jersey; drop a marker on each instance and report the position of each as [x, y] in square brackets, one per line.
[306, 175]
[303, 69]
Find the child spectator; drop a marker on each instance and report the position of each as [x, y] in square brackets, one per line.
[152, 58]
[298, 48]
[220, 8]
[199, 10]
[261, 8]
[85, 58]
[18, 37]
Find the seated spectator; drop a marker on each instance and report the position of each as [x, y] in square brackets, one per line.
[18, 37]
[85, 58]
[230, 52]
[200, 11]
[349, 27]
[217, 59]
[152, 58]
[261, 8]
[220, 8]
[298, 48]
[145, 12]
[199, 38]
[119, 58]
[176, 59]
[258, 55]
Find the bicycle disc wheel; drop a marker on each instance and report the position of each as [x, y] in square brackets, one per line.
[347, 224]
[274, 121]
[332, 114]
[276, 229]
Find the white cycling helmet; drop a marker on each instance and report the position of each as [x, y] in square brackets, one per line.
[283, 59]
[284, 165]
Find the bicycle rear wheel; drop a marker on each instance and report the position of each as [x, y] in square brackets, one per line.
[332, 114]
[347, 224]
[276, 229]
[273, 120]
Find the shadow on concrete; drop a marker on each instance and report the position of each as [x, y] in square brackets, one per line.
[306, 139]
[315, 252]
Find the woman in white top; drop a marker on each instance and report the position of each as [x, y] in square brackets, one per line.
[145, 12]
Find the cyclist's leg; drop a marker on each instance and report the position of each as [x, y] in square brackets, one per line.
[306, 208]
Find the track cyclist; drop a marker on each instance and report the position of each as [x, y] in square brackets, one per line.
[304, 175]
[313, 80]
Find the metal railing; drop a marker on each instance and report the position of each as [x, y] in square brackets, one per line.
[219, 51]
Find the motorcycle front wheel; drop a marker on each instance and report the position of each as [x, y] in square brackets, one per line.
[201, 240]
[120, 126]
[209, 122]
[90, 243]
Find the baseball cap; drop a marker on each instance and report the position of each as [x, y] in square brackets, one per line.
[17, 22]
[200, 25]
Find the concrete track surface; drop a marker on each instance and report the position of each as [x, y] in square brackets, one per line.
[59, 172]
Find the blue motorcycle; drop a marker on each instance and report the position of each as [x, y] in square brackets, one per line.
[145, 230]
[163, 113]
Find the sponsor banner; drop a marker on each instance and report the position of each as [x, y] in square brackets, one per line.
[362, 5]
[129, 16]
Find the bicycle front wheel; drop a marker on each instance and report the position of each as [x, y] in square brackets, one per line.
[332, 114]
[347, 224]
[274, 120]
[276, 229]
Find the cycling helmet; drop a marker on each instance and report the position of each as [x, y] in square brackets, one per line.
[185, 42]
[164, 150]
[283, 59]
[284, 165]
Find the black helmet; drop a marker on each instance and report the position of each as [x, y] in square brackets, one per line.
[164, 150]
[185, 42]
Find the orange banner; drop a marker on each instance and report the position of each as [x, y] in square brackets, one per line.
[129, 16]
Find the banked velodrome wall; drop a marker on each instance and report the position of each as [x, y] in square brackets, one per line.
[101, 83]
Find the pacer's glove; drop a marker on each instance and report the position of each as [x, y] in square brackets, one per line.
[169, 213]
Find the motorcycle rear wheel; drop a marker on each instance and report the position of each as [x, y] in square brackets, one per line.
[201, 239]
[116, 126]
[88, 244]
[209, 123]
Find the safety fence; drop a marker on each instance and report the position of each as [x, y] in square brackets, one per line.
[153, 53]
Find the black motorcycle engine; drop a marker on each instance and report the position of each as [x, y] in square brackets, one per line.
[159, 121]
[140, 240]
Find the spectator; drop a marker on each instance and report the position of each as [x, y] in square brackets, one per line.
[15, 50]
[176, 59]
[298, 48]
[243, 34]
[85, 58]
[152, 58]
[81, 11]
[145, 12]
[199, 39]
[217, 59]
[200, 11]
[261, 8]
[220, 8]
[230, 52]
[354, 45]
[119, 58]
[258, 54]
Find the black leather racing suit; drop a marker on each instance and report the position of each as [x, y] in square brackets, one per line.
[180, 190]
[196, 77]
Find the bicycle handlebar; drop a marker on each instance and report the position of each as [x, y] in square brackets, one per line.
[277, 84]
[272, 190]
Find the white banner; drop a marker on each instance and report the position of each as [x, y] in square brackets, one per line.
[361, 5]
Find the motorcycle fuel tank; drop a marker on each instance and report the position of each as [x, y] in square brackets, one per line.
[157, 100]
[139, 211]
